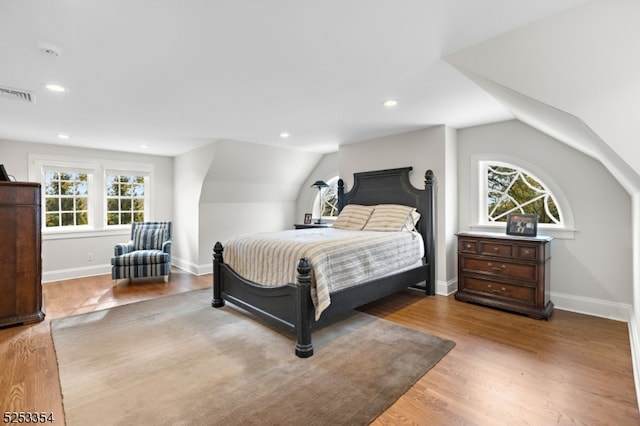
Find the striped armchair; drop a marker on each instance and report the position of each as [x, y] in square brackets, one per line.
[148, 254]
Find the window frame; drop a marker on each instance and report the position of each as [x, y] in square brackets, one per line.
[90, 193]
[479, 220]
[96, 170]
[121, 170]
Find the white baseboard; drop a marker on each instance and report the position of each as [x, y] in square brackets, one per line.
[446, 288]
[634, 341]
[69, 274]
[590, 306]
[192, 267]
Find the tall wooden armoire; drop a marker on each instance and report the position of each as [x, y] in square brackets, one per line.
[20, 253]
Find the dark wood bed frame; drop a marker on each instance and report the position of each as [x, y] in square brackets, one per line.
[290, 305]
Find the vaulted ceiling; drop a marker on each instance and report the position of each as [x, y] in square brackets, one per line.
[574, 75]
[178, 75]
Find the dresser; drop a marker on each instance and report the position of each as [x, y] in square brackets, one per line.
[20, 247]
[506, 272]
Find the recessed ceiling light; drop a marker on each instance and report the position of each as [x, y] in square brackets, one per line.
[145, 146]
[63, 136]
[56, 88]
[390, 103]
[284, 135]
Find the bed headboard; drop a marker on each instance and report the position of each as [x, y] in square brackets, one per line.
[392, 186]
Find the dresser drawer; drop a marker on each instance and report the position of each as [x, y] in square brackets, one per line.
[521, 294]
[467, 246]
[499, 268]
[527, 252]
[495, 248]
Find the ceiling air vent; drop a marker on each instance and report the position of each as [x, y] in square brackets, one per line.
[17, 94]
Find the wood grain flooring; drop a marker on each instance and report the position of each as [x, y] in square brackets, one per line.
[506, 369]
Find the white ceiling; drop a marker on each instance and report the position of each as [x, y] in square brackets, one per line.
[176, 75]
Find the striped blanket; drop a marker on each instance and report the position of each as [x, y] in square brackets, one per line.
[338, 258]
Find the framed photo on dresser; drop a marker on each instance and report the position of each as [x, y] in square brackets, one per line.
[523, 225]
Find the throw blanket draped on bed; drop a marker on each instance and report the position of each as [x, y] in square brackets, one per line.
[338, 258]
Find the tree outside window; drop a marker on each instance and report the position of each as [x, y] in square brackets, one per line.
[125, 199]
[66, 199]
[511, 189]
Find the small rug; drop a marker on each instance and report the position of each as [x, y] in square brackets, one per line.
[176, 360]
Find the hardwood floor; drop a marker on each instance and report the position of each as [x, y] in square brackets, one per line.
[505, 369]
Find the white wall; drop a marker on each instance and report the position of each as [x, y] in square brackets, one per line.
[425, 149]
[229, 188]
[326, 168]
[591, 273]
[67, 256]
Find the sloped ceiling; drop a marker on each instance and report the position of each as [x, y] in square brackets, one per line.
[574, 75]
[178, 75]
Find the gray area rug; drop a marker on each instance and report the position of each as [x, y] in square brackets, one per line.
[176, 360]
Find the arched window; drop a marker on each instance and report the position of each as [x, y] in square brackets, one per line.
[329, 197]
[511, 189]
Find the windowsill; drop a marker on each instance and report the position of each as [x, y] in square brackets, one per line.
[84, 233]
[559, 233]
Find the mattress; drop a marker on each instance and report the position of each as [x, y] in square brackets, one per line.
[338, 258]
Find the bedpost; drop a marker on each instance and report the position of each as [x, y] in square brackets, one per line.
[304, 348]
[217, 301]
[430, 185]
[340, 195]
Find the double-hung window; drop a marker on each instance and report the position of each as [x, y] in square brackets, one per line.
[125, 201]
[81, 194]
[66, 197]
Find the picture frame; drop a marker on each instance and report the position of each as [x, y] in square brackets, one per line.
[307, 218]
[523, 225]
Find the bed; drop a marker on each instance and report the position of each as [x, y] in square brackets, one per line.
[293, 304]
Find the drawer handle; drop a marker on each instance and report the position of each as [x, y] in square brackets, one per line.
[527, 251]
[496, 249]
[496, 268]
[468, 246]
[495, 290]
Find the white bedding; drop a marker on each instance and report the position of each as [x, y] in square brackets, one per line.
[339, 258]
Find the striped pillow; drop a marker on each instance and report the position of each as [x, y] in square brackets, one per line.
[389, 217]
[353, 217]
[148, 239]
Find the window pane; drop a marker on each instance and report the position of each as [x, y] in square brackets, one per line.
[113, 219]
[66, 204]
[67, 219]
[138, 204]
[125, 218]
[513, 190]
[52, 220]
[125, 195]
[112, 204]
[82, 219]
[53, 204]
[81, 204]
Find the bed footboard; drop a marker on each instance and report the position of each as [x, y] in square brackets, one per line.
[288, 306]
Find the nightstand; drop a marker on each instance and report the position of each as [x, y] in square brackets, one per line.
[312, 225]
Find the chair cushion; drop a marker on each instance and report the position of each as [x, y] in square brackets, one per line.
[141, 257]
[148, 239]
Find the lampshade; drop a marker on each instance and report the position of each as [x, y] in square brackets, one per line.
[320, 184]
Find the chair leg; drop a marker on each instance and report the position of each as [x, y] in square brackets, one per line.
[166, 278]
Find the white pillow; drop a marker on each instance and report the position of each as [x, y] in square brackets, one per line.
[389, 217]
[411, 222]
[353, 217]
